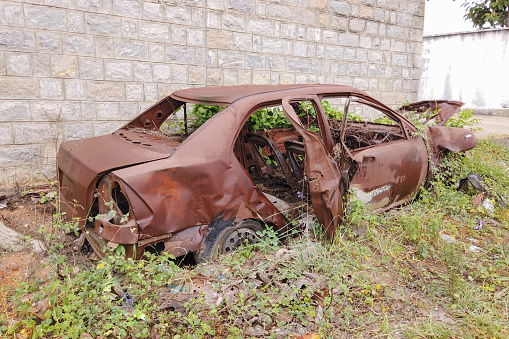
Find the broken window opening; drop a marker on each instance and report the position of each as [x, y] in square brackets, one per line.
[272, 152]
[366, 125]
[187, 119]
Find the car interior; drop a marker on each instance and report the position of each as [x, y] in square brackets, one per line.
[273, 154]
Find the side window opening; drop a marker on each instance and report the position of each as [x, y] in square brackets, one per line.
[366, 124]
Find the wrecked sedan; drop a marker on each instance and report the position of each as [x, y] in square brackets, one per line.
[270, 153]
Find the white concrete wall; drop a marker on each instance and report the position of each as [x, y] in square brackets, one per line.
[472, 67]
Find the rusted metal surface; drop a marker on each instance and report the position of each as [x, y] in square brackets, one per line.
[189, 240]
[321, 169]
[390, 174]
[144, 188]
[443, 138]
[439, 110]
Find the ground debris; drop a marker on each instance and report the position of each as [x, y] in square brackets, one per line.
[447, 281]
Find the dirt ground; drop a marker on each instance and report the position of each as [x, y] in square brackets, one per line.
[23, 215]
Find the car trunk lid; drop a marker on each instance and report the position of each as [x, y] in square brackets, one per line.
[89, 158]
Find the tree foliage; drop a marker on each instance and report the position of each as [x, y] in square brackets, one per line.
[495, 13]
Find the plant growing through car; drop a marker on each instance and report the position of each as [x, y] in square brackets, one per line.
[464, 119]
[263, 119]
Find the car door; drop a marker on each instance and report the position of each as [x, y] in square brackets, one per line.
[389, 174]
[391, 169]
[321, 169]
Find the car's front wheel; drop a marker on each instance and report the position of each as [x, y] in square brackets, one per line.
[226, 237]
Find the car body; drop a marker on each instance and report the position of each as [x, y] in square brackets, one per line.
[140, 188]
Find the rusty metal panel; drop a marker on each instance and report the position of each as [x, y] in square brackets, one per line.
[171, 191]
[389, 174]
[439, 110]
[443, 138]
[226, 95]
[322, 171]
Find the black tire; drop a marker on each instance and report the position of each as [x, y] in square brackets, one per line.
[225, 237]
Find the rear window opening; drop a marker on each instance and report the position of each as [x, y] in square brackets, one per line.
[187, 119]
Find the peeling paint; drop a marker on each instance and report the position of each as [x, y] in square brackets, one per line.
[369, 198]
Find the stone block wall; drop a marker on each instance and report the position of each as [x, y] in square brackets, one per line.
[72, 69]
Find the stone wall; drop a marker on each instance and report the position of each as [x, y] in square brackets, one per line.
[72, 69]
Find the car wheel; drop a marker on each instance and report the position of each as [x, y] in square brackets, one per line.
[225, 237]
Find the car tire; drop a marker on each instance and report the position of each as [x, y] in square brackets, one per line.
[225, 237]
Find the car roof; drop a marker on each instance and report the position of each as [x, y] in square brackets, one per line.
[226, 95]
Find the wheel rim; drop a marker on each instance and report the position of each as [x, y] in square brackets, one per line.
[237, 238]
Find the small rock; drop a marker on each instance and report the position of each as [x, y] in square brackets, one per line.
[473, 248]
[257, 331]
[10, 239]
[307, 220]
[282, 253]
[360, 231]
[447, 238]
[38, 246]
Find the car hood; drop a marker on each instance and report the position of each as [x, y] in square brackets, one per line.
[84, 160]
[454, 139]
[438, 110]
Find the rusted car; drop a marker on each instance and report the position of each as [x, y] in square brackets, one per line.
[210, 190]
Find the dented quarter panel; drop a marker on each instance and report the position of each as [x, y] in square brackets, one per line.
[440, 110]
[82, 162]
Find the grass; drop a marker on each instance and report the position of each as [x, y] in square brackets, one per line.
[387, 275]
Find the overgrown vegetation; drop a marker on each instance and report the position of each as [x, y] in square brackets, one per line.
[435, 268]
[272, 117]
[463, 119]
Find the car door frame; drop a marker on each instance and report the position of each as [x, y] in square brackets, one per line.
[322, 171]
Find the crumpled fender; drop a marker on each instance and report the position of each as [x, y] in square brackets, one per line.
[440, 110]
[452, 139]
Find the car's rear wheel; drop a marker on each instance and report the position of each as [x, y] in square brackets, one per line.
[227, 237]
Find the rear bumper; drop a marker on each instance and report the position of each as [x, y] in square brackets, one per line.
[120, 234]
